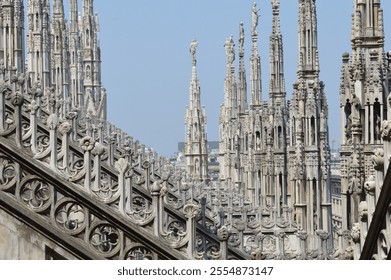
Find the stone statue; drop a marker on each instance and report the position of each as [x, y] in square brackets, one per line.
[193, 50]
[241, 36]
[356, 107]
[229, 49]
[255, 18]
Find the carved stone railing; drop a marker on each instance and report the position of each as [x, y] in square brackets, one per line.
[91, 166]
[75, 153]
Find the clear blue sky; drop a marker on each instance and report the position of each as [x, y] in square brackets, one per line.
[147, 65]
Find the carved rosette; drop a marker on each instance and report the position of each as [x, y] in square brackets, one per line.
[87, 143]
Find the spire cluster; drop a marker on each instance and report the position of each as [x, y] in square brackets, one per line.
[270, 148]
[66, 59]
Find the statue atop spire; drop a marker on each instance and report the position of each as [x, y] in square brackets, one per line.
[255, 18]
[241, 36]
[230, 49]
[193, 51]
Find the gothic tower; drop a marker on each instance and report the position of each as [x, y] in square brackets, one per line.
[12, 34]
[196, 151]
[39, 42]
[363, 106]
[309, 149]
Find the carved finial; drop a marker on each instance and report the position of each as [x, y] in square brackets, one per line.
[193, 50]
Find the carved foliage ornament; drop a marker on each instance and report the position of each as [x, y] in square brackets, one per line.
[191, 211]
